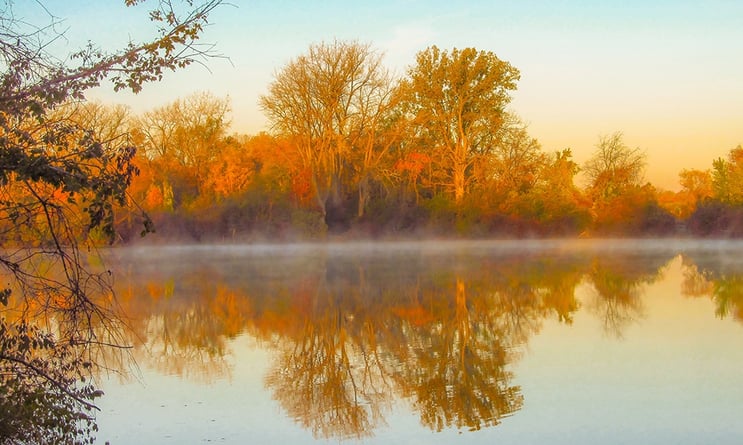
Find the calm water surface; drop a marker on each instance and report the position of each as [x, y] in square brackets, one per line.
[572, 342]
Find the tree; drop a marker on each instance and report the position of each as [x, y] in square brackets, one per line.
[456, 102]
[188, 131]
[697, 183]
[620, 202]
[180, 141]
[614, 167]
[108, 122]
[696, 188]
[556, 199]
[330, 101]
[727, 178]
[234, 167]
[50, 165]
[515, 165]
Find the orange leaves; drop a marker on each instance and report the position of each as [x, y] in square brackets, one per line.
[60, 195]
[412, 164]
[302, 187]
[153, 198]
[696, 183]
[230, 173]
[736, 155]
[680, 204]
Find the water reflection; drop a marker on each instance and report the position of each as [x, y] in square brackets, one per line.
[352, 332]
[718, 276]
[618, 283]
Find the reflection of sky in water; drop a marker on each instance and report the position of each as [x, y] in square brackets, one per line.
[670, 377]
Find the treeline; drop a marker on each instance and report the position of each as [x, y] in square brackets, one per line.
[355, 151]
[228, 187]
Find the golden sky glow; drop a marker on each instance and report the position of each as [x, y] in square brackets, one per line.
[665, 73]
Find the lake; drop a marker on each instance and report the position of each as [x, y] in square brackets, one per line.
[477, 342]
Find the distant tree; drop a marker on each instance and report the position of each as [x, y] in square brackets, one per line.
[188, 129]
[615, 174]
[559, 204]
[727, 178]
[50, 165]
[513, 168]
[330, 102]
[696, 188]
[108, 122]
[232, 170]
[614, 167]
[697, 183]
[182, 139]
[456, 101]
[518, 159]
[720, 212]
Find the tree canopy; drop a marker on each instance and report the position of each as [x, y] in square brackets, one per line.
[614, 166]
[456, 101]
[331, 101]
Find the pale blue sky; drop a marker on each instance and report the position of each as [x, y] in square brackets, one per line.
[666, 73]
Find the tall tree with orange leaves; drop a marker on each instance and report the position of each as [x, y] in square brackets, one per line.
[180, 141]
[329, 101]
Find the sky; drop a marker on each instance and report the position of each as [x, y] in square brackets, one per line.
[667, 74]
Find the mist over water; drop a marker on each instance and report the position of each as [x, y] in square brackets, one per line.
[388, 342]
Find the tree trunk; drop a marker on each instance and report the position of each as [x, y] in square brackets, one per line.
[336, 215]
[459, 169]
[320, 197]
[363, 195]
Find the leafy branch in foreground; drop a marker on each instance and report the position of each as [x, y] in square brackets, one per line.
[60, 181]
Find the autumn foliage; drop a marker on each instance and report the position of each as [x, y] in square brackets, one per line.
[261, 187]
[355, 151]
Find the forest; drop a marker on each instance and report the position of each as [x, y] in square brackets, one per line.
[355, 153]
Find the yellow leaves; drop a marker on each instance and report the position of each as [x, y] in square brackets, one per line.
[457, 103]
[727, 178]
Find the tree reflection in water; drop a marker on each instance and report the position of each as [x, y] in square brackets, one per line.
[374, 333]
[618, 283]
[715, 275]
[182, 328]
[352, 333]
[453, 368]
